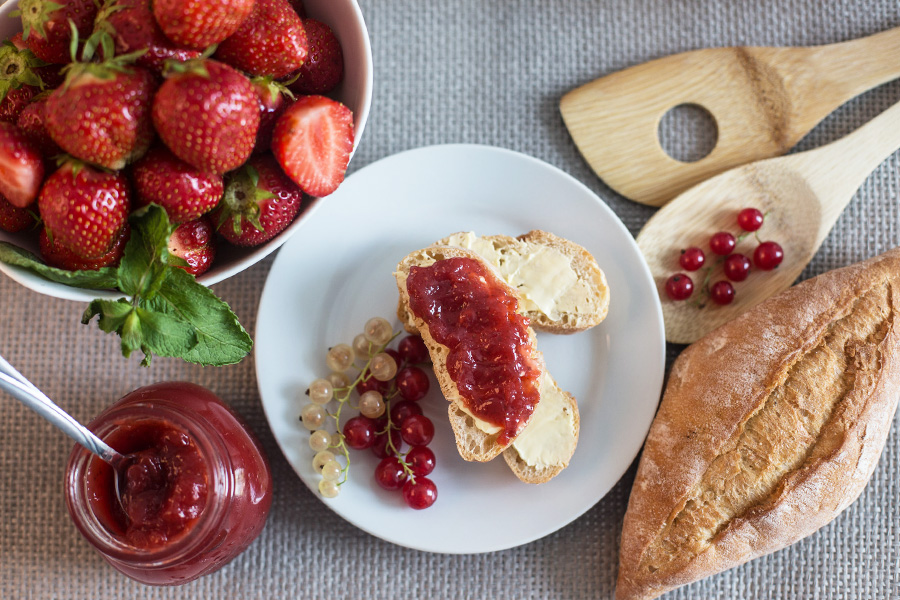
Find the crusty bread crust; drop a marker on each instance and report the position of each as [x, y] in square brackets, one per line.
[584, 265]
[472, 443]
[769, 427]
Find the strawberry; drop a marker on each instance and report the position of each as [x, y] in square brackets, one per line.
[21, 166]
[198, 24]
[324, 66]
[33, 122]
[312, 142]
[195, 243]
[184, 191]
[14, 219]
[101, 114]
[207, 114]
[83, 208]
[260, 201]
[133, 27]
[19, 81]
[274, 98]
[57, 255]
[271, 41]
[45, 26]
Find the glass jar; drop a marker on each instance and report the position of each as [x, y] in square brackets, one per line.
[207, 502]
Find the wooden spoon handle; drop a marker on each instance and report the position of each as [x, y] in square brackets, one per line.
[764, 100]
[835, 172]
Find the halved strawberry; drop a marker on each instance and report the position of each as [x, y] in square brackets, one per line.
[198, 24]
[57, 255]
[133, 27]
[83, 208]
[272, 41]
[312, 141]
[195, 243]
[207, 113]
[14, 219]
[21, 166]
[324, 66]
[184, 191]
[101, 114]
[45, 26]
[260, 201]
[33, 123]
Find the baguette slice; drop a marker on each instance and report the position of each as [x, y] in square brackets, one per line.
[769, 427]
[554, 423]
[562, 287]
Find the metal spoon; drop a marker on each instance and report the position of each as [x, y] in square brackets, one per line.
[16, 385]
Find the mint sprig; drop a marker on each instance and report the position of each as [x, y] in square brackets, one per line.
[166, 312]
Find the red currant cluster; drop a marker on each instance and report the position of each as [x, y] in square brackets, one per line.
[735, 266]
[389, 386]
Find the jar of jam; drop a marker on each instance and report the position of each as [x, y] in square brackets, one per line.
[195, 494]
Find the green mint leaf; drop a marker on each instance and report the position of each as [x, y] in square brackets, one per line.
[144, 263]
[165, 333]
[112, 313]
[221, 340]
[104, 278]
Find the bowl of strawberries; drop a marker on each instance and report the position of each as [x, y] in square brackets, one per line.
[227, 122]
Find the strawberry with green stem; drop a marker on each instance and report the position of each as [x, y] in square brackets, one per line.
[133, 27]
[207, 113]
[46, 26]
[274, 98]
[84, 208]
[101, 113]
[260, 201]
[19, 80]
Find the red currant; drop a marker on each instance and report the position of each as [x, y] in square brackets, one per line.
[721, 292]
[404, 409]
[736, 267]
[417, 430]
[421, 460]
[768, 255]
[372, 384]
[381, 449]
[412, 349]
[692, 259]
[750, 219]
[722, 243]
[359, 432]
[419, 493]
[393, 354]
[390, 474]
[679, 287]
[412, 383]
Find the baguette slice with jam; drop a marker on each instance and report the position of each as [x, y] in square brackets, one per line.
[554, 420]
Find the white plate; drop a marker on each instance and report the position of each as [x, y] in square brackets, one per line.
[333, 276]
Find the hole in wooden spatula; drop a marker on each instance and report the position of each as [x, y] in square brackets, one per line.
[688, 132]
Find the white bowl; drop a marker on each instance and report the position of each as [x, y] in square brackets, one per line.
[355, 91]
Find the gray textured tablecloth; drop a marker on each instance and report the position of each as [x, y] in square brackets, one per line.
[489, 72]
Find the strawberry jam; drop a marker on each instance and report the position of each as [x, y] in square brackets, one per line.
[490, 354]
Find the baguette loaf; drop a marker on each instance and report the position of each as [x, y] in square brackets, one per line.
[546, 443]
[563, 289]
[769, 427]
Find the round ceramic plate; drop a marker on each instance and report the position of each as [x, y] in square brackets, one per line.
[337, 273]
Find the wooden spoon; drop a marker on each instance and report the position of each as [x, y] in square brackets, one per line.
[764, 100]
[803, 194]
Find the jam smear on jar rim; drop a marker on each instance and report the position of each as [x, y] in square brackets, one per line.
[490, 353]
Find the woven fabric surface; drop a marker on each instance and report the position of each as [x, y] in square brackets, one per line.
[488, 72]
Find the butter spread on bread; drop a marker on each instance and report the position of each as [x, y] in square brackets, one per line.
[563, 289]
[769, 427]
[554, 423]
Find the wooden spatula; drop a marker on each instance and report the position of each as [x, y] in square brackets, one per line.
[764, 100]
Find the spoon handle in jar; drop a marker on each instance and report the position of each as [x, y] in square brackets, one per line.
[36, 400]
